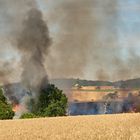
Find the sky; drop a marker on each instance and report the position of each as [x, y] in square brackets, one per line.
[91, 39]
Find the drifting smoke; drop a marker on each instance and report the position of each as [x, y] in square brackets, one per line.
[110, 104]
[31, 41]
[90, 37]
[94, 39]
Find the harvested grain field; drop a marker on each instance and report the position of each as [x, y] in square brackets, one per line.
[102, 127]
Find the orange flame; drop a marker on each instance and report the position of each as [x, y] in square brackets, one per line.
[16, 108]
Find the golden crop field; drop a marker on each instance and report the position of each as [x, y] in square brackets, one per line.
[99, 127]
[93, 95]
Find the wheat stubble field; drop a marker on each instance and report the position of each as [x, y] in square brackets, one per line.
[101, 127]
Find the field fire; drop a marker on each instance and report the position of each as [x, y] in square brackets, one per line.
[85, 45]
[16, 108]
[69, 69]
[89, 100]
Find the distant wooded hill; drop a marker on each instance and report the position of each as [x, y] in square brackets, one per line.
[68, 83]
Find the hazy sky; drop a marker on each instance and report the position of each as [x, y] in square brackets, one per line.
[92, 39]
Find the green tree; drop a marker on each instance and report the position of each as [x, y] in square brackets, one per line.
[5, 108]
[111, 96]
[52, 102]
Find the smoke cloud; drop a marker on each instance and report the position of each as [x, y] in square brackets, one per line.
[94, 39]
[28, 35]
[33, 43]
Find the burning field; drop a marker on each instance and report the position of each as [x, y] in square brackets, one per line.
[91, 39]
[89, 100]
[42, 40]
[31, 41]
[103, 127]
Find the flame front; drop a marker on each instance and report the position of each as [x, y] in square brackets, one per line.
[16, 108]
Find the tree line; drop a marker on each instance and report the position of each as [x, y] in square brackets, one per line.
[51, 102]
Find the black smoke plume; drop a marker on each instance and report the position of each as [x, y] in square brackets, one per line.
[30, 38]
[33, 43]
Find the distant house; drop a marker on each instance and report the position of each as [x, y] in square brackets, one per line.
[77, 86]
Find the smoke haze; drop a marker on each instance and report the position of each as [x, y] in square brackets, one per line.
[92, 39]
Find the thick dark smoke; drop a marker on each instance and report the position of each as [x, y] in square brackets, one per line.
[33, 43]
[29, 36]
[11, 19]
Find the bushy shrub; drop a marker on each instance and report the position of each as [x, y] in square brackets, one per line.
[28, 115]
[54, 109]
[6, 111]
